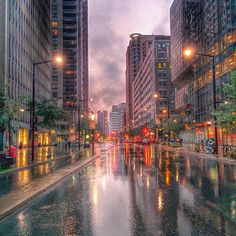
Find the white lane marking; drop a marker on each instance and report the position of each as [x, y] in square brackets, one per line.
[140, 182]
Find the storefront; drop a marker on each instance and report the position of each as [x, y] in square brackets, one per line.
[22, 137]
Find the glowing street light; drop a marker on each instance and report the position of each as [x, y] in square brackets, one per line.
[164, 111]
[58, 60]
[188, 52]
[155, 96]
[92, 117]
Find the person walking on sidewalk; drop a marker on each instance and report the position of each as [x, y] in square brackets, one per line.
[181, 142]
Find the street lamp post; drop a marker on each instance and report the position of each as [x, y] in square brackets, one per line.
[189, 53]
[93, 139]
[168, 116]
[168, 113]
[79, 127]
[58, 60]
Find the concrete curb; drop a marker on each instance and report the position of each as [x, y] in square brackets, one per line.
[43, 190]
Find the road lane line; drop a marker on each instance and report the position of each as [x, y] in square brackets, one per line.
[140, 181]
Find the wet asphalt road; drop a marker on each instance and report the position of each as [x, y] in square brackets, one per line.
[133, 190]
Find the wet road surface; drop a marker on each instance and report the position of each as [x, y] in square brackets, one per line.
[135, 190]
[18, 179]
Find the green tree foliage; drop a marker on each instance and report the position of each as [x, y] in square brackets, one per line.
[226, 113]
[174, 124]
[48, 113]
[8, 111]
[84, 123]
[3, 110]
[134, 132]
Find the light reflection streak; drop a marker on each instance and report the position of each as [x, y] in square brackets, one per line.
[21, 220]
[148, 181]
[104, 182]
[147, 159]
[95, 194]
[167, 175]
[160, 200]
[141, 170]
[160, 162]
[177, 175]
[188, 163]
[23, 176]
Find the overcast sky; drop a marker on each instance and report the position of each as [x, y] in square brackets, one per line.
[110, 24]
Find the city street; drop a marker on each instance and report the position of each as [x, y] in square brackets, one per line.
[135, 190]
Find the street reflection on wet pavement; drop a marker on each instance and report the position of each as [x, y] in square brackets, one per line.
[135, 190]
[21, 178]
[41, 154]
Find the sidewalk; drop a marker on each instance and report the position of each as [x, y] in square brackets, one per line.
[42, 155]
[185, 150]
[18, 198]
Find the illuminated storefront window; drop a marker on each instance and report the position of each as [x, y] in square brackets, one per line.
[23, 137]
[54, 23]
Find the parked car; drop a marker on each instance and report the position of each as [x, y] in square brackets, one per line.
[86, 145]
[146, 141]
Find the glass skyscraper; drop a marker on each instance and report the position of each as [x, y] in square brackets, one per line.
[209, 27]
[70, 39]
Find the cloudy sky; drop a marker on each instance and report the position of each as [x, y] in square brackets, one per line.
[110, 24]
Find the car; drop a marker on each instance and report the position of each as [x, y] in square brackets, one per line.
[146, 141]
[86, 145]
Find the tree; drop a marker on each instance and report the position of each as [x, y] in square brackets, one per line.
[226, 113]
[84, 123]
[9, 110]
[174, 124]
[134, 132]
[48, 113]
[3, 111]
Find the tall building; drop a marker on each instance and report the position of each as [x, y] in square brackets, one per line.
[24, 39]
[117, 118]
[208, 27]
[113, 120]
[83, 66]
[121, 109]
[102, 122]
[153, 79]
[70, 39]
[135, 54]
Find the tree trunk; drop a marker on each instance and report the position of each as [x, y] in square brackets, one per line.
[9, 133]
[1, 139]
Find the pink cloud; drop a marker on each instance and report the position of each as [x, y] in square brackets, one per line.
[110, 24]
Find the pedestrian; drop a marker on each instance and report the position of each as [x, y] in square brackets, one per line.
[181, 142]
[69, 144]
